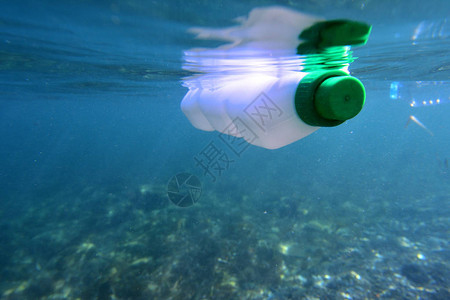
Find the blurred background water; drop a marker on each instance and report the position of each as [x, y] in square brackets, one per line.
[91, 132]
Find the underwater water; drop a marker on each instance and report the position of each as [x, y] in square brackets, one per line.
[91, 135]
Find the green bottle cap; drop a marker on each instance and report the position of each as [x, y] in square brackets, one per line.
[328, 98]
[339, 98]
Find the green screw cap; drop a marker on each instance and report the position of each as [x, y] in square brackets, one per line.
[328, 98]
[340, 98]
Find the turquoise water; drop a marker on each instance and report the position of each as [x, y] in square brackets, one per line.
[91, 133]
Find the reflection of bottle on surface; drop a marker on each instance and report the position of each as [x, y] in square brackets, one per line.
[241, 94]
[421, 93]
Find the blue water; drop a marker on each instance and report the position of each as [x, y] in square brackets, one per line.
[91, 133]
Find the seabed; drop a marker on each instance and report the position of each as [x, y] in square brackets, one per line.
[135, 244]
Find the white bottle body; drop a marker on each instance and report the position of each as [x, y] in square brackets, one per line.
[259, 108]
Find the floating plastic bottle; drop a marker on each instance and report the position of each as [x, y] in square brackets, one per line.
[273, 112]
[244, 91]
